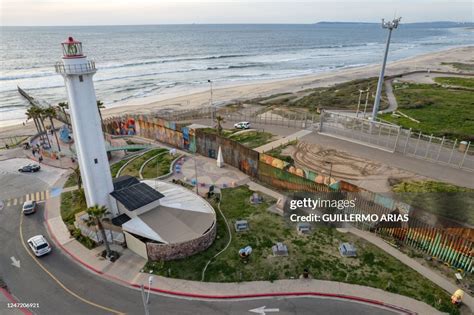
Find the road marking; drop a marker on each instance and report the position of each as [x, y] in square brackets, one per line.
[27, 197]
[56, 279]
[9, 203]
[263, 310]
[47, 194]
[15, 262]
[38, 196]
[15, 201]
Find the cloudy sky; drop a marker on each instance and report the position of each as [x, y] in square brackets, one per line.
[121, 12]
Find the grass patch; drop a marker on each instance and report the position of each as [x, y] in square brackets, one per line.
[460, 65]
[317, 252]
[72, 203]
[114, 168]
[342, 96]
[159, 166]
[252, 139]
[442, 199]
[463, 82]
[441, 111]
[134, 166]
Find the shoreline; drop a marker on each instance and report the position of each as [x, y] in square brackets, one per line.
[238, 92]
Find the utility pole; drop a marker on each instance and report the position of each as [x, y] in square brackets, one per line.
[358, 103]
[390, 25]
[210, 101]
[366, 101]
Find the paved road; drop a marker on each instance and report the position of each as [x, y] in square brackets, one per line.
[60, 286]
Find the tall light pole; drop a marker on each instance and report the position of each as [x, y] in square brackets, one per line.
[210, 100]
[390, 25]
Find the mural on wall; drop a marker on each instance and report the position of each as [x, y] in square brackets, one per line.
[307, 174]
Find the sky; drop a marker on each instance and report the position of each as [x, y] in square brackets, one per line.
[126, 12]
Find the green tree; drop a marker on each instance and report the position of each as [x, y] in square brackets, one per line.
[100, 105]
[96, 215]
[219, 120]
[50, 113]
[63, 106]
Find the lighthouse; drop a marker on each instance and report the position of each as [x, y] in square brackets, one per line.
[77, 72]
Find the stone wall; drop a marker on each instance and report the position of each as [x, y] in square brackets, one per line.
[167, 252]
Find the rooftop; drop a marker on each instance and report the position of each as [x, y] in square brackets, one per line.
[136, 196]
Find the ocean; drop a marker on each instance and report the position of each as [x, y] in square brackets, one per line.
[140, 61]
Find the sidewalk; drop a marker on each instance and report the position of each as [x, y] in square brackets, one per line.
[279, 142]
[126, 271]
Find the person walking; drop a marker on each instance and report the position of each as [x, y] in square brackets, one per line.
[33, 151]
[40, 159]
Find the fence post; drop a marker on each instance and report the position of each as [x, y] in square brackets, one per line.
[440, 147]
[417, 143]
[465, 153]
[428, 148]
[396, 140]
[406, 143]
[452, 151]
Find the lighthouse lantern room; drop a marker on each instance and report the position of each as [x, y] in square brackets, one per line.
[89, 143]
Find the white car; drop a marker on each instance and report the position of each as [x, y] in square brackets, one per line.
[29, 207]
[39, 245]
[242, 125]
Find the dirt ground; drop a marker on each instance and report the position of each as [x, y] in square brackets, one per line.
[368, 174]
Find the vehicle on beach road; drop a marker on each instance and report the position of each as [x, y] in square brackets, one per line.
[29, 207]
[39, 245]
[30, 168]
[242, 125]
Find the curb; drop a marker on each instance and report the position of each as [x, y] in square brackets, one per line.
[14, 301]
[224, 297]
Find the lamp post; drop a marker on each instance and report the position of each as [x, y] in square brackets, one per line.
[330, 169]
[390, 25]
[210, 100]
[358, 103]
[146, 299]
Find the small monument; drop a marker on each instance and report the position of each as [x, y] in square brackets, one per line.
[220, 158]
[241, 225]
[280, 249]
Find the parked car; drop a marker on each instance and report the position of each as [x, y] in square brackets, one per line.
[29, 207]
[31, 168]
[242, 125]
[39, 245]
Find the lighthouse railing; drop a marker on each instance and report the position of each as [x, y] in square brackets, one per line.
[88, 67]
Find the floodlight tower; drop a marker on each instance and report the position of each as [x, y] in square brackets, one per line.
[390, 25]
[77, 72]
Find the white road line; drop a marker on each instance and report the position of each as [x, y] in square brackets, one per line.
[15, 201]
[9, 202]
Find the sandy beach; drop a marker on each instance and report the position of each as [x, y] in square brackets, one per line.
[238, 93]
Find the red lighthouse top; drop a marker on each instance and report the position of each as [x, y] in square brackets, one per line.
[72, 48]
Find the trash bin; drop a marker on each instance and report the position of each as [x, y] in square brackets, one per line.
[462, 146]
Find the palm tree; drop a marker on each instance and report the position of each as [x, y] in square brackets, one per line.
[219, 121]
[50, 112]
[96, 214]
[100, 105]
[77, 174]
[40, 117]
[63, 106]
[31, 114]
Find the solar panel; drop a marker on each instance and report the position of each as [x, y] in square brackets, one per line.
[136, 196]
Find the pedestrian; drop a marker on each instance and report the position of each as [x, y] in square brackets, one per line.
[7, 146]
[40, 159]
[33, 151]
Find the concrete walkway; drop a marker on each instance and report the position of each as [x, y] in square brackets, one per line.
[275, 144]
[392, 100]
[127, 271]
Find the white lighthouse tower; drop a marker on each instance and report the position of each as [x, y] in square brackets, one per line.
[77, 72]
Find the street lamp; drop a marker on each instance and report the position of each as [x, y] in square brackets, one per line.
[390, 25]
[330, 169]
[210, 100]
[146, 300]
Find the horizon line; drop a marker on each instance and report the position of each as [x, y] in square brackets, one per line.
[240, 23]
